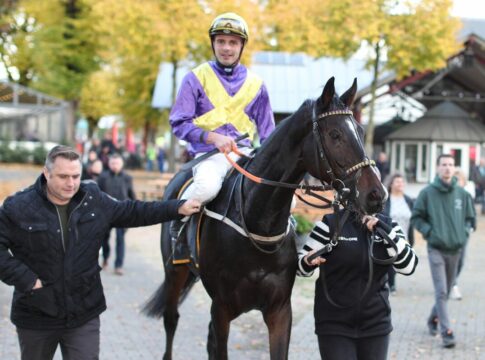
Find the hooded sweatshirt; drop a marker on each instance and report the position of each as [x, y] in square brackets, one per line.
[444, 214]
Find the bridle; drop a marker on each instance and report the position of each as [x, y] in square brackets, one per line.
[322, 158]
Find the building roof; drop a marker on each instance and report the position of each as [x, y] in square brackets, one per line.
[461, 81]
[290, 78]
[444, 122]
[17, 101]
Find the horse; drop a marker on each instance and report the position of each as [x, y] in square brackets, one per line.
[243, 272]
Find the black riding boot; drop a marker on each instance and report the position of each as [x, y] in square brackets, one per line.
[180, 245]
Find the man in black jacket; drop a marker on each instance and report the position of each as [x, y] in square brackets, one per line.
[118, 184]
[50, 235]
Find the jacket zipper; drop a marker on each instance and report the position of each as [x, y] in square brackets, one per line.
[68, 220]
[62, 230]
[77, 207]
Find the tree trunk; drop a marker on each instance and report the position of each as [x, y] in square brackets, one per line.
[173, 138]
[369, 136]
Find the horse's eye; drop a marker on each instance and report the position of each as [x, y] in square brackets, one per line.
[334, 135]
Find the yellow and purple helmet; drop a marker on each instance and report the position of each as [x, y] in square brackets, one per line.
[229, 24]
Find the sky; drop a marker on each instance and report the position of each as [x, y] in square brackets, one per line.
[469, 8]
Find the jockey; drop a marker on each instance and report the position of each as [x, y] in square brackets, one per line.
[218, 101]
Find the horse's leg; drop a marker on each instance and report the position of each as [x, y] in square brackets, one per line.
[175, 282]
[279, 326]
[218, 331]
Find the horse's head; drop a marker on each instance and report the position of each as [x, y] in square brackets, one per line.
[334, 151]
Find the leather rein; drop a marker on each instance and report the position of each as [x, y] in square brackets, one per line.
[342, 192]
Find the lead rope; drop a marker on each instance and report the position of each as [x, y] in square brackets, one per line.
[371, 239]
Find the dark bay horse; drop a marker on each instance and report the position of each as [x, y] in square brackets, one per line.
[240, 273]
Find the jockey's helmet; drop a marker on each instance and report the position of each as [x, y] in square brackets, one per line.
[229, 24]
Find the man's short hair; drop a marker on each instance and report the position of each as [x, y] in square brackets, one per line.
[62, 151]
[444, 156]
[116, 156]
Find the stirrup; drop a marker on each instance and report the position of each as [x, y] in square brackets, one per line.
[180, 246]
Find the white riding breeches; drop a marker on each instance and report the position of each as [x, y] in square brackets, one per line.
[209, 175]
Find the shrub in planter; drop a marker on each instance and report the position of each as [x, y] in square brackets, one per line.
[39, 154]
[303, 227]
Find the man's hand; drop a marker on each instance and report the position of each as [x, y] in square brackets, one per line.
[189, 207]
[222, 142]
[315, 262]
[37, 285]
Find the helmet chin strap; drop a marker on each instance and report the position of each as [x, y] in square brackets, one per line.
[228, 69]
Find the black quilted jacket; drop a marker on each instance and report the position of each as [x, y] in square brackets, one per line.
[31, 247]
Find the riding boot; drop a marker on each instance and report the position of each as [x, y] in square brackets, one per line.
[180, 245]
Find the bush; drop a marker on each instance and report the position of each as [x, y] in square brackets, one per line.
[39, 154]
[20, 154]
[303, 225]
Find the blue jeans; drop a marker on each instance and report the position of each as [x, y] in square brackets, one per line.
[120, 247]
[443, 268]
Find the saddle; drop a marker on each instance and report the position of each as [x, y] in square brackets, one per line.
[191, 229]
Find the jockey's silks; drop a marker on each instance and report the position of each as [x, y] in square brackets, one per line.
[193, 102]
[227, 109]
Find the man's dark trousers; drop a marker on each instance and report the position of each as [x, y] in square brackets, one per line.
[81, 343]
[120, 247]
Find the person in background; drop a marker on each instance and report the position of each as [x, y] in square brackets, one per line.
[50, 235]
[151, 156]
[161, 159]
[399, 207]
[382, 164]
[91, 157]
[455, 293]
[350, 322]
[118, 184]
[444, 214]
[478, 177]
[93, 170]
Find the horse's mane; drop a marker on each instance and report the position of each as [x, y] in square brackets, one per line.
[301, 118]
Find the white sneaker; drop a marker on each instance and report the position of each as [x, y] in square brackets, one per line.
[455, 293]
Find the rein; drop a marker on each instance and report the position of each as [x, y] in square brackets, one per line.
[336, 184]
[260, 180]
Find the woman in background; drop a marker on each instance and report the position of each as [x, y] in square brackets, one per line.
[399, 207]
[455, 292]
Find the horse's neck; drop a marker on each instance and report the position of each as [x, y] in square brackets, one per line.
[267, 208]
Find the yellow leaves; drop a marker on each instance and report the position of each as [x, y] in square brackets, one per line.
[423, 38]
[99, 95]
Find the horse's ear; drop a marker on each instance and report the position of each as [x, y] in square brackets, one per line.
[348, 97]
[327, 95]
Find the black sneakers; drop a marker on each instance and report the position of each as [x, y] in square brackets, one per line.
[448, 339]
[433, 326]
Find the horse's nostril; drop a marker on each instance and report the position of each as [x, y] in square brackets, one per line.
[375, 196]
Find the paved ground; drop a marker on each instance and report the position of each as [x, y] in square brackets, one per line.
[126, 334]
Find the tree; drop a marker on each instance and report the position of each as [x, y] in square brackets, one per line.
[65, 46]
[135, 39]
[15, 52]
[51, 47]
[421, 36]
[317, 27]
[410, 35]
[98, 98]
